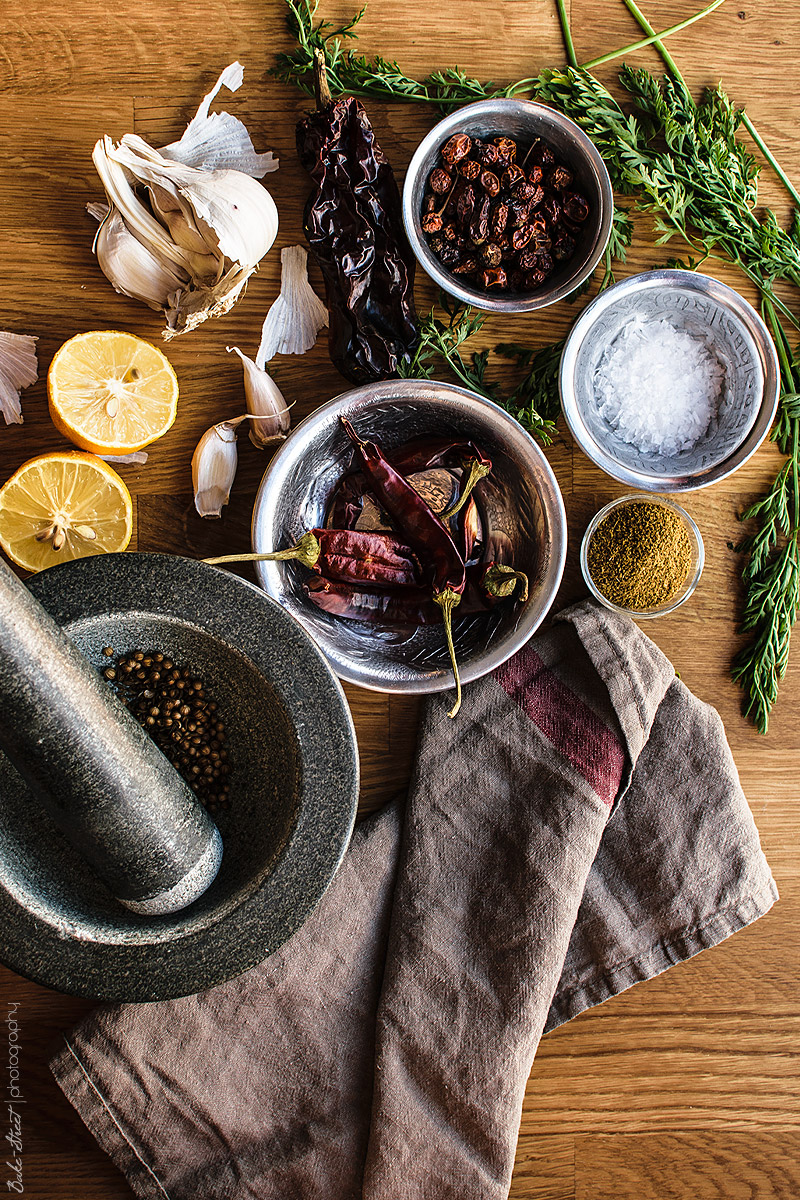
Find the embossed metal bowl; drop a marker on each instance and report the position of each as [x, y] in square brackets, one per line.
[520, 508]
[524, 121]
[732, 330]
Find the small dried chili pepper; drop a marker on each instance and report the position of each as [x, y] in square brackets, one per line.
[347, 555]
[426, 533]
[486, 584]
[353, 223]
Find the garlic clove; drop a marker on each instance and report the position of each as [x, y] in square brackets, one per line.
[218, 141]
[131, 267]
[18, 369]
[264, 400]
[294, 320]
[214, 465]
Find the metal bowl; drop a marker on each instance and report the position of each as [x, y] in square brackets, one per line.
[524, 121]
[733, 331]
[520, 507]
[693, 574]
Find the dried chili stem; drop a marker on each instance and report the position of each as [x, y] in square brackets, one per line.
[307, 552]
[477, 471]
[447, 601]
[322, 91]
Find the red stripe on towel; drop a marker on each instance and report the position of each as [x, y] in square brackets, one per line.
[569, 724]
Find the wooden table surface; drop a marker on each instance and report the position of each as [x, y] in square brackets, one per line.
[685, 1087]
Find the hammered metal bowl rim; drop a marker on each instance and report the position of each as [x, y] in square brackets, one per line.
[355, 401]
[740, 309]
[504, 107]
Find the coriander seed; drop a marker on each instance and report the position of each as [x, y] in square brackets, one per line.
[640, 555]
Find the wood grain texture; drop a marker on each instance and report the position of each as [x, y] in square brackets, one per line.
[687, 1088]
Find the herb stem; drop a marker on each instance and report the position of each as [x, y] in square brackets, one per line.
[645, 25]
[566, 32]
[770, 157]
[654, 38]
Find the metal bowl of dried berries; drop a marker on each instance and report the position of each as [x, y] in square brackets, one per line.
[669, 381]
[218, 655]
[371, 606]
[642, 555]
[507, 205]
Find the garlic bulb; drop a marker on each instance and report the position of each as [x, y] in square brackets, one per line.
[265, 401]
[185, 240]
[294, 320]
[214, 465]
[218, 140]
[131, 267]
[18, 369]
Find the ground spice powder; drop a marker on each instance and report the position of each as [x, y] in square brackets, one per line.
[640, 555]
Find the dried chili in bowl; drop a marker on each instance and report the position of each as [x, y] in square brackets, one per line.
[426, 533]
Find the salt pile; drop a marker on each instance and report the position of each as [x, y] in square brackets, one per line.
[658, 386]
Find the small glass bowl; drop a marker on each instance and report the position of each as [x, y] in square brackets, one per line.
[695, 568]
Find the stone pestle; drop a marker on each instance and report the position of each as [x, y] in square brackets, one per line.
[90, 764]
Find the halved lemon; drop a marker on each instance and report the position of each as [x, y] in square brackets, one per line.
[111, 392]
[62, 506]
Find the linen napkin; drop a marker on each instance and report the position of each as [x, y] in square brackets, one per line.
[578, 828]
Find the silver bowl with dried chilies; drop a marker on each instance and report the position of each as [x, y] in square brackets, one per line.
[438, 436]
[507, 205]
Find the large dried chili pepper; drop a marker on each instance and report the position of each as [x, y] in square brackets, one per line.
[486, 584]
[353, 223]
[425, 532]
[421, 454]
[346, 555]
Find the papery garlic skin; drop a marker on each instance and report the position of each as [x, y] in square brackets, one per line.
[206, 229]
[219, 141]
[18, 369]
[264, 400]
[139, 457]
[214, 465]
[294, 320]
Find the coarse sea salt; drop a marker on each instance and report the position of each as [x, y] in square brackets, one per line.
[658, 386]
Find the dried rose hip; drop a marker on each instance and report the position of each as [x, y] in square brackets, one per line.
[440, 181]
[491, 254]
[469, 168]
[494, 277]
[457, 148]
[432, 223]
[506, 149]
[520, 237]
[511, 176]
[498, 218]
[559, 178]
[490, 183]
[576, 207]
